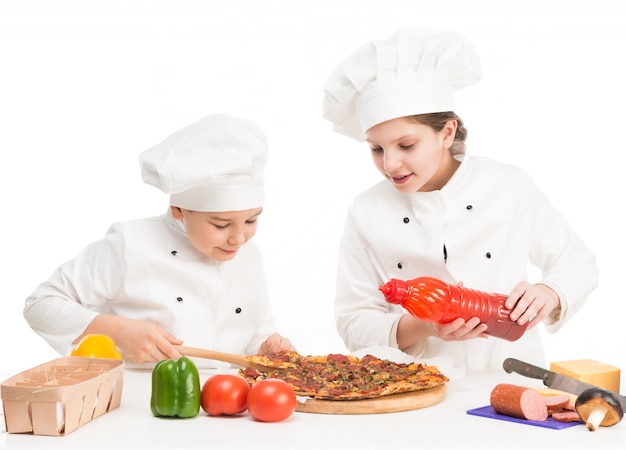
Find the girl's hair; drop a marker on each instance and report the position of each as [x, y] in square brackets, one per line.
[438, 120]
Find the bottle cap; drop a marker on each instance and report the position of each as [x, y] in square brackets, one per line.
[395, 291]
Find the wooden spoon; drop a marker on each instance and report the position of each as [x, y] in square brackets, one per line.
[262, 364]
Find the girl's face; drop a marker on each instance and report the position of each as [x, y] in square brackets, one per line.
[218, 235]
[413, 156]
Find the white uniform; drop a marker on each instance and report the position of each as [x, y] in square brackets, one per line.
[148, 269]
[482, 229]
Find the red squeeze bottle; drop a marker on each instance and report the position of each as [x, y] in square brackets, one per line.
[434, 300]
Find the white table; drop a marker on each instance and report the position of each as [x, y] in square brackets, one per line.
[444, 425]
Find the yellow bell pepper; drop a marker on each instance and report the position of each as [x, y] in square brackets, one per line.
[97, 346]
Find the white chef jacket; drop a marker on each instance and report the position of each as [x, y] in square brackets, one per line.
[148, 269]
[483, 229]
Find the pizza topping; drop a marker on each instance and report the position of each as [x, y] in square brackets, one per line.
[344, 377]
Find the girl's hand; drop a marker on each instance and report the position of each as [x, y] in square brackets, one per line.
[275, 343]
[460, 330]
[412, 330]
[531, 303]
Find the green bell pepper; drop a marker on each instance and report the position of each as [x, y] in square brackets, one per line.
[175, 389]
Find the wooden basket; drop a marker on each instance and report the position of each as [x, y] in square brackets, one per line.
[57, 397]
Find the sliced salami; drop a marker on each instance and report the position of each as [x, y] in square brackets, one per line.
[518, 401]
[556, 402]
[566, 416]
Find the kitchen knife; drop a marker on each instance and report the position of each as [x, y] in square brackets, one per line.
[552, 379]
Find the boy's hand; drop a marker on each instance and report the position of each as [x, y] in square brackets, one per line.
[139, 340]
[275, 343]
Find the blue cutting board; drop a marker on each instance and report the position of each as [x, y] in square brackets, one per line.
[487, 411]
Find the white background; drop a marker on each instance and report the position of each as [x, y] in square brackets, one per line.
[86, 85]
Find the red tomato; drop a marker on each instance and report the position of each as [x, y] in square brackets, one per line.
[271, 400]
[224, 394]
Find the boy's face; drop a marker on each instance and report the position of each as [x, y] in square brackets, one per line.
[218, 235]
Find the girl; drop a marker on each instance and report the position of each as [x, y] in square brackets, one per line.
[440, 212]
[189, 275]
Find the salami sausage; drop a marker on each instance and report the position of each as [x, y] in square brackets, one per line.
[518, 401]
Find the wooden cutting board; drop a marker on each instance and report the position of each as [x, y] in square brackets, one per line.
[390, 403]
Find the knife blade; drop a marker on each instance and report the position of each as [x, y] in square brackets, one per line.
[552, 379]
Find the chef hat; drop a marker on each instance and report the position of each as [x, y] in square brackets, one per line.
[415, 71]
[214, 165]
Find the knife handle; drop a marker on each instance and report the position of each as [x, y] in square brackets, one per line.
[528, 370]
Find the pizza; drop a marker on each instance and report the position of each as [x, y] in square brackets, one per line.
[344, 377]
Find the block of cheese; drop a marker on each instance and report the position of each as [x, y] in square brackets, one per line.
[589, 371]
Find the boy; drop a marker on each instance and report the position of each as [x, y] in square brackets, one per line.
[185, 276]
